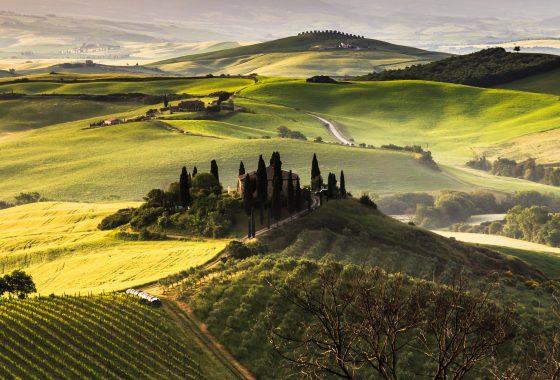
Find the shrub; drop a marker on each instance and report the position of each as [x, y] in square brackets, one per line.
[321, 79]
[118, 219]
[204, 184]
[366, 201]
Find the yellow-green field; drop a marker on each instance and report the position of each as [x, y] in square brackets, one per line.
[59, 245]
[547, 83]
[451, 120]
[202, 86]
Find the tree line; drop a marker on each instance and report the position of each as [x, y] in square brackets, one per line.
[527, 169]
[485, 68]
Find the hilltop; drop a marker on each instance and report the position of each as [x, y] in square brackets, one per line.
[485, 68]
[307, 54]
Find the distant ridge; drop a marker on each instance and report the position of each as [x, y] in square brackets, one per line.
[309, 53]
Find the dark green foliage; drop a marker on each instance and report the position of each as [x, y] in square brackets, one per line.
[248, 195]
[332, 189]
[194, 172]
[484, 68]
[165, 101]
[404, 203]
[17, 283]
[155, 198]
[26, 198]
[145, 216]
[241, 168]
[321, 79]
[120, 218]
[527, 169]
[298, 197]
[184, 189]
[290, 196]
[286, 133]
[214, 170]
[239, 250]
[480, 163]
[423, 156]
[316, 179]
[262, 181]
[342, 185]
[366, 201]
[204, 184]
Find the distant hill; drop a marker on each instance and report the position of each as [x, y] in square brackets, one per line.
[485, 68]
[312, 53]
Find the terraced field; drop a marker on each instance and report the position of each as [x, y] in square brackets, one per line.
[59, 245]
[108, 336]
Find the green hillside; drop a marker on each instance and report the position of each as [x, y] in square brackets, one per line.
[452, 121]
[60, 246]
[200, 86]
[301, 56]
[23, 114]
[547, 83]
[113, 336]
[239, 300]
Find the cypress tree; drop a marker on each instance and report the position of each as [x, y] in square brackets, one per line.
[262, 181]
[214, 170]
[194, 172]
[342, 185]
[241, 168]
[298, 197]
[276, 198]
[165, 101]
[253, 224]
[184, 188]
[291, 194]
[316, 179]
[247, 195]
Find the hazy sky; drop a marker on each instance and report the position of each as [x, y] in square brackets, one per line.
[431, 24]
[191, 8]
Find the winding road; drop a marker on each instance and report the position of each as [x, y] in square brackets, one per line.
[332, 128]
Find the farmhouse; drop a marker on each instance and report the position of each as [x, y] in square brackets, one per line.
[270, 176]
[112, 121]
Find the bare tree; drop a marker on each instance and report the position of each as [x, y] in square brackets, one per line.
[354, 320]
[461, 330]
[322, 343]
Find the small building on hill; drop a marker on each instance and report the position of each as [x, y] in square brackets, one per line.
[270, 176]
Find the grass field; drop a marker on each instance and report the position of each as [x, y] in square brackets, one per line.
[24, 114]
[547, 83]
[60, 246]
[451, 120]
[156, 87]
[111, 336]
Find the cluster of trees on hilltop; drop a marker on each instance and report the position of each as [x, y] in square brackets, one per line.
[330, 33]
[527, 169]
[484, 68]
[194, 205]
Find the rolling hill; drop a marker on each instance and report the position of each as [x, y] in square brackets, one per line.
[450, 120]
[301, 56]
[453, 121]
[59, 245]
